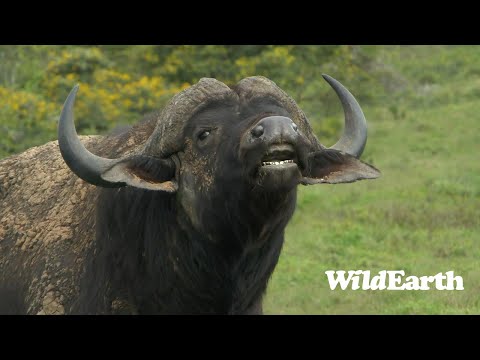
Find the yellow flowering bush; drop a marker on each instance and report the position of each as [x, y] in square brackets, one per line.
[107, 96]
[112, 98]
[34, 119]
[82, 61]
[119, 84]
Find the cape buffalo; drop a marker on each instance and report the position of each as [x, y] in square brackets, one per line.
[183, 213]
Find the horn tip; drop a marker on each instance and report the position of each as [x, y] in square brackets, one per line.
[71, 97]
[328, 78]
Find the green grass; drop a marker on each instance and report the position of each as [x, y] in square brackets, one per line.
[422, 215]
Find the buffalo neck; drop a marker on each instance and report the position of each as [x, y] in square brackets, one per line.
[149, 254]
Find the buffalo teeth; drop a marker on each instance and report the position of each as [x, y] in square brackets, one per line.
[277, 162]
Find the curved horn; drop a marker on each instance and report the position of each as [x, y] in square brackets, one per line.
[83, 163]
[354, 137]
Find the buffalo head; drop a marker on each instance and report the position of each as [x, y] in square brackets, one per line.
[273, 140]
[250, 138]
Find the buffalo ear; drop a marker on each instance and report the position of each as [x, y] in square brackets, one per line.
[144, 172]
[331, 166]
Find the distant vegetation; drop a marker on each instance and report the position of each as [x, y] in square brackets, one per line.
[120, 84]
[422, 104]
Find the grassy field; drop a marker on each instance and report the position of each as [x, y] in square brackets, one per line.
[421, 216]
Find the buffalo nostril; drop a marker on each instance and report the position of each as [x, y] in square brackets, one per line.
[257, 131]
[294, 126]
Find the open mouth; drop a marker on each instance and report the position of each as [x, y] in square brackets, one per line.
[267, 163]
[279, 156]
[279, 169]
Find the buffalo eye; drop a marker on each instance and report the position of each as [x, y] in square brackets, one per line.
[203, 135]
